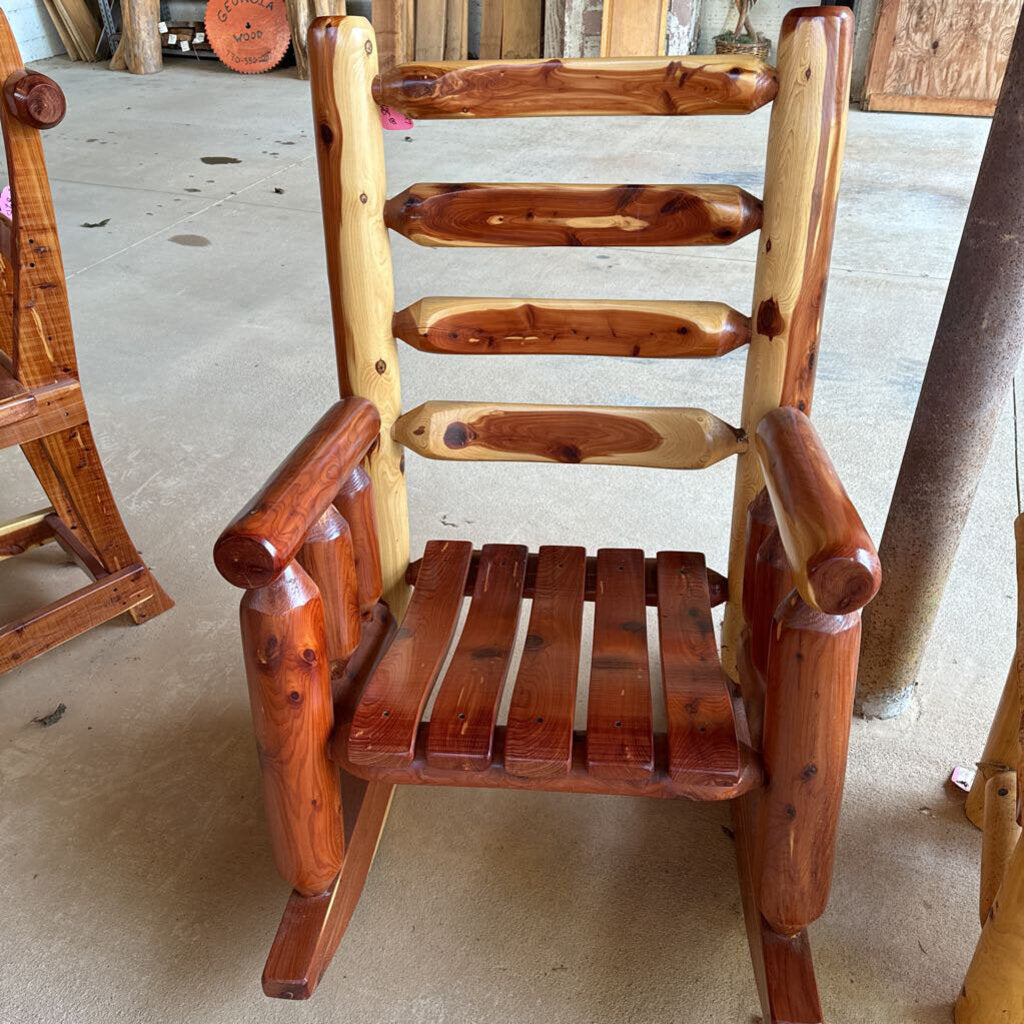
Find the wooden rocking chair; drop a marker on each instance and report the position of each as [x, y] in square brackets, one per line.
[41, 403]
[338, 691]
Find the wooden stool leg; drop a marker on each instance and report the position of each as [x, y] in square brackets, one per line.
[312, 927]
[69, 469]
[999, 838]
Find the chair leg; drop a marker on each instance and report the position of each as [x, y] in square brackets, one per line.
[783, 967]
[68, 467]
[313, 926]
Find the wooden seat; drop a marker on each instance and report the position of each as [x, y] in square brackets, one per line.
[347, 642]
[704, 753]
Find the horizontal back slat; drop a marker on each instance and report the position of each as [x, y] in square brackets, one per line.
[552, 88]
[438, 214]
[669, 438]
[657, 329]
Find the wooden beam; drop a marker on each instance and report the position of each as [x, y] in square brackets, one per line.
[551, 88]
[645, 329]
[456, 32]
[521, 28]
[57, 407]
[431, 16]
[18, 535]
[436, 214]
[80, 611]
[669, 438]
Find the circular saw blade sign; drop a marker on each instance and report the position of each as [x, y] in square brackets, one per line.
[248, 35]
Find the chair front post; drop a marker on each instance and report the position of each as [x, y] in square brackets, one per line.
[812, 674]
[284, 640]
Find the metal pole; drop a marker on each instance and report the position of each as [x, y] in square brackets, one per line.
[976, 351]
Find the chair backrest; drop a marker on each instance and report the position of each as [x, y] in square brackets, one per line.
[810, 91]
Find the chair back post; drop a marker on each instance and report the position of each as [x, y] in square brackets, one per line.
[805, 149]
[353, 190]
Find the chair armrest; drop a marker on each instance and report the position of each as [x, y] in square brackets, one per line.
[834, 563]
[267, 533]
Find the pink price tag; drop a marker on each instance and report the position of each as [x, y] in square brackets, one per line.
[393, 120]
[5, 203]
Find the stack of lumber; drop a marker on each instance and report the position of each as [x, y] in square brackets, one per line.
[191, 33]
[509, 28]
[76, 26]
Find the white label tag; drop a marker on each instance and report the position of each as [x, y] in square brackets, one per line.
[199, 37]
[162, 27]
[184, 44]
[172, 39]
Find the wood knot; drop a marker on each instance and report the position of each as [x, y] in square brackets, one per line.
[368, 47]
[380, 366]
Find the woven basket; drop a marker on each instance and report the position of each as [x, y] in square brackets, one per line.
[728, 43]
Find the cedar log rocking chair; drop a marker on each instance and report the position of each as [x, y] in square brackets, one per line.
[338, 689]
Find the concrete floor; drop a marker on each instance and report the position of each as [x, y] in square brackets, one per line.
[137, 873]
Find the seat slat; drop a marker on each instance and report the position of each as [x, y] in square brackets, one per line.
[476, 214]
[718, 585]
[620, 732]
[661, 437]
[701, 725]
[528, 88]
[384, 725]
[649, 330]
[464, 715]
[538, 740]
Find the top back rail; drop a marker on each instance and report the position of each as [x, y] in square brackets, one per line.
[809, 92]
[558, 87]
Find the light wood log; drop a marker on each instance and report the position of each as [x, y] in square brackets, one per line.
[553, 88]
[270, 528]
[355, 502]
[833, 560]
[327, 556]
[633, 28]
[1003, 746]
[658, 329]
[141, 29]
[993, 990]
[805, 148]
[812, 674]
[350, 153]
[430, 29]
[285, 644]
[476, 214]
[999, 837]
[607, 435]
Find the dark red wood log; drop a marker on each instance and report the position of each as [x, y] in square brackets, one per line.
[834, 562]
[355, 502]
[760, 523]
[525, 88]
[268, 532]
[542, 215]
[327, 555]
[812, 674]
[284, 640]
[772, 581]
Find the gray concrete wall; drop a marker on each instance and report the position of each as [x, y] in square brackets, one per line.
[33, 30]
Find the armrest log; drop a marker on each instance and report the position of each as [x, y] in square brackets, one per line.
[834, 562]
[267, 534]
